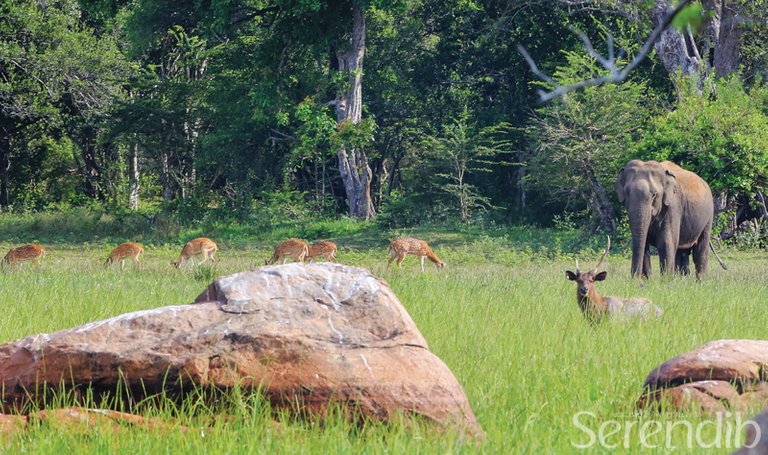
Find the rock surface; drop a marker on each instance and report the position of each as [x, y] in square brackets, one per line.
[718, 376]
[306, 335]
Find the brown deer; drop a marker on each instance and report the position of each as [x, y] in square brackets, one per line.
[30, 251]
[293, 248]
[401, 247]
[597, 307]
[325, 249]
[195, 247]
[124, 251]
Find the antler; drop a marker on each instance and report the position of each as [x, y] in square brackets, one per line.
[577, 266]
[605, 253]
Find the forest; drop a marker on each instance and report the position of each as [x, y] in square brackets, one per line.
[401, 111]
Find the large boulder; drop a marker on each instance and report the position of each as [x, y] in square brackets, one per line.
[718, 376]
[305, 335]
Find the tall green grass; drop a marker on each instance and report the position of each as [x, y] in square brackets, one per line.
[502, 317]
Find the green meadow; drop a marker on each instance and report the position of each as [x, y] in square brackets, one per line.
[501, 315]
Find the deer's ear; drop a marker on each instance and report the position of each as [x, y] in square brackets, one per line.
[570, 275]
[601, 276]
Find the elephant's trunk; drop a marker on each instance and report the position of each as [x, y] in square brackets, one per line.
[639, 222]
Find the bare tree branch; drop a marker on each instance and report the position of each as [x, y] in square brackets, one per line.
[615, 74]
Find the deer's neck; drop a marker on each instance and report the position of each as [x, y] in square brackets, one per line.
[594, 305]
[432, 257]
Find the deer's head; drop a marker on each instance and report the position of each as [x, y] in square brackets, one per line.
[585, 281]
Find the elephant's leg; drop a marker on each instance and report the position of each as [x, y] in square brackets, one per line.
[667, 252]
[701, 252]
[647, 262]
[682, 261]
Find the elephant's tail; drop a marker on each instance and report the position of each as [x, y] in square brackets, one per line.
[725, 267]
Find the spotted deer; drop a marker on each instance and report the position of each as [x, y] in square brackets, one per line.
[28, 252]
[325, 249]
[127, 250]
[291, 248]
[597, 307]
[195, 247]
[401, 247]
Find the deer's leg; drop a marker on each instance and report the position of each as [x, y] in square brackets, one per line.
[389, 262]
[400, 258]
[422, 263]
[122, 264]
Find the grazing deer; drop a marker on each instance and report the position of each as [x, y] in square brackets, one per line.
[195, 247]
[294, 248]
[30, 251]
[597, 307]
[124, 251]
[401, 247]
[325, 249]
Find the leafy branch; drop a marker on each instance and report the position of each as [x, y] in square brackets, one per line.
[615, 74]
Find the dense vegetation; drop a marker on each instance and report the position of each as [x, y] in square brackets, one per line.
[406, 111]
[251, 121]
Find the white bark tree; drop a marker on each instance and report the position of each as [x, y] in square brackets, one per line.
[355, 170]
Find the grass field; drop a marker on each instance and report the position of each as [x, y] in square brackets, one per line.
[502, 317]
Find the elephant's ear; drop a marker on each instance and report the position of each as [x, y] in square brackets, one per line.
[620, 186]
[670, 187]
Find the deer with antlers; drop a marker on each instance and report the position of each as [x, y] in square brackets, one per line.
[597, 307]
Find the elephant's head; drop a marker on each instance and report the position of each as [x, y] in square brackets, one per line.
[645, 188]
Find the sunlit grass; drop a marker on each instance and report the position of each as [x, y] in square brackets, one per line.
[505, 322]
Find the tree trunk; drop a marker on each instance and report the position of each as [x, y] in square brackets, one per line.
[133, 177]
[165, 178]
[5, 167]
[675, 53]
[91, 168]
[353, 163]
[720, 45]
[729, 41]
[601, 203]
[711, 31]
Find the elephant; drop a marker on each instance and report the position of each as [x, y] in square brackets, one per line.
[670, 208]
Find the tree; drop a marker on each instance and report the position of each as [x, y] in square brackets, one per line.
[720, 132]
[353, 162]
[580, 142]
[57, 80]
[461, 152]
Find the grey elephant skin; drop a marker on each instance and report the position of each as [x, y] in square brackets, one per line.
[669, 208]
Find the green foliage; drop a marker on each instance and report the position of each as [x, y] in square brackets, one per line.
[463, 153]
[720, 132]
[225, 102]
[580, 143]
[690, 16]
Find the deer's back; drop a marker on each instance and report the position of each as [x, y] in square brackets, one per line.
[125, 250]
[24, 253]
[291, 247]
[321, 248]
[633, 307]
[409, 245]
[198, 245]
